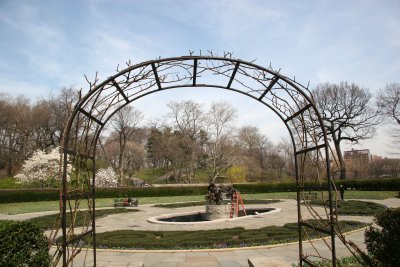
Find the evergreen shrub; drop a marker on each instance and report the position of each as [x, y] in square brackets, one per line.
[22, 244]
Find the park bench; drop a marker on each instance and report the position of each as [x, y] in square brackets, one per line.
[126, 202]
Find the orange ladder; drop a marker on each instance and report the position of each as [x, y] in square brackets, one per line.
[235, 201]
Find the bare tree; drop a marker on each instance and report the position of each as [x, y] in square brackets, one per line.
[187, 117]
[347, 113]
[165, 150]
[254, 148]
[285, 150]
[124, 123]
[15, 127]
[388, 101]
[187, 120]
[221, 147]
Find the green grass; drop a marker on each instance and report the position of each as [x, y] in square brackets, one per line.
[47, 222]
[355, 207]
[221, 238]
[202, 203]
[26, 207]
[354, 194]
[9, 183]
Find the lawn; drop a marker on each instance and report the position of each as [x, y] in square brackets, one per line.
[26, 207]
[47, 222]
[9, 183]
[355, 207]
[222, 238]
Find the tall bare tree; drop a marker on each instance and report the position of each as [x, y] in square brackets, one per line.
[285, 150]
[347, 113]
[388, 101]
[254, 147]
[187, 120]
[15, 127]
[221, 147]
[124, 124]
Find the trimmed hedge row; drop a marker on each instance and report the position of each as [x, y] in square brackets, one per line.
[32, 195]
[28, 195]
[364, 185]
[371, 184]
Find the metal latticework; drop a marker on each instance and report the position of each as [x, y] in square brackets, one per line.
[290, 101]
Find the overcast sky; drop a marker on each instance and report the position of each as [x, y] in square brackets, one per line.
[47, 45]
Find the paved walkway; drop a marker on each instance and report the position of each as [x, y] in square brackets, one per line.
[226, 257]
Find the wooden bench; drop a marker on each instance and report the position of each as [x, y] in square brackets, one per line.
[126, 202]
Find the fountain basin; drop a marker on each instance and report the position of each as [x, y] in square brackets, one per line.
[198, 217]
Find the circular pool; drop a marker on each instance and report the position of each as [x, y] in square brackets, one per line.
[194, 217]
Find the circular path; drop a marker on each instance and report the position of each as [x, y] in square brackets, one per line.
[287, 253]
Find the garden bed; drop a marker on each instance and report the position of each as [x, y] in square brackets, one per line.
[207, 239]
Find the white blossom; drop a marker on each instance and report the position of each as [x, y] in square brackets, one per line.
[106, 178]
[43, 169]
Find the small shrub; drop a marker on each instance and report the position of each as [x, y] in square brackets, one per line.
[383, 243]
[22, 244]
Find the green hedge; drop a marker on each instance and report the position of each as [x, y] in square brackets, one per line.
[22, 244]
[28, 195]
[151, 191]
[371, 184]
[32, 195]
[265, 187]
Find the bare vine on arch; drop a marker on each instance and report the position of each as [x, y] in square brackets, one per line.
[290, 101]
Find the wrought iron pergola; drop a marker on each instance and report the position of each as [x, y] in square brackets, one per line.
[291, 102]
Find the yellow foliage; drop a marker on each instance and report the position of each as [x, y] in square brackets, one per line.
[237, 174]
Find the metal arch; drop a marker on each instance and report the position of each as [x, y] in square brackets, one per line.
[237, 63]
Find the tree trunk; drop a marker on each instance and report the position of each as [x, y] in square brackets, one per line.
[341, 160]
[9, 165]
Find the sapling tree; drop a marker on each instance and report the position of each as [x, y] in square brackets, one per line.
[43, 169]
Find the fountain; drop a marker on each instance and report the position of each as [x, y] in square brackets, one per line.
[222, 204]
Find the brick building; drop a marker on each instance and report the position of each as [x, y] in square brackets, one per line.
[357, 163]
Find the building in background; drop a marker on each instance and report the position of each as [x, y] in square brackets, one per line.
[360, 164]
[357, 163]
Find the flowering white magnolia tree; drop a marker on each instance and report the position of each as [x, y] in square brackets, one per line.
[106, 178]
[43, 169]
